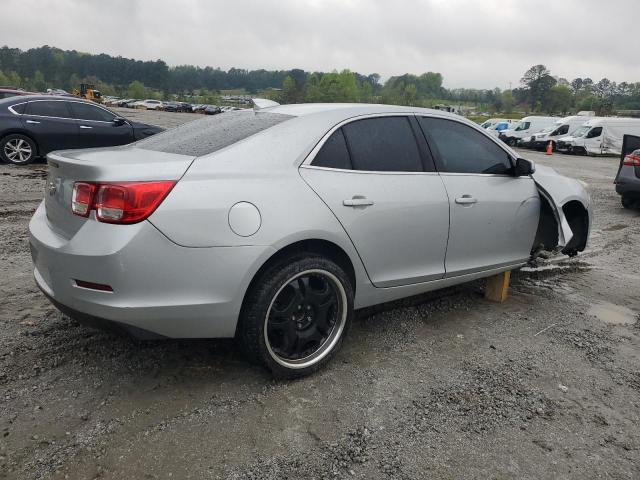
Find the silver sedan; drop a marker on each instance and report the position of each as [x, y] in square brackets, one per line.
[273, 225]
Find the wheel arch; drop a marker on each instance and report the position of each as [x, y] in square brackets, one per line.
[18, 131]
[578, 218]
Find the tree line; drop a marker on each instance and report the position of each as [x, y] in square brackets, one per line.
[48, 67]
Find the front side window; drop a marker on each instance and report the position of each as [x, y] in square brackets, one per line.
[384, 144]
[461, 149]
[563, 130]
[523, 126]
[334, 153]
[48, 108]
[580, 131]
[594, 132]
[84, 111]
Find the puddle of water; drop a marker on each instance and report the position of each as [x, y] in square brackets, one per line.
[613, 314]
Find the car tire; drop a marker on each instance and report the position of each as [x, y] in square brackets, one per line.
[296, 315]
[627, 202]
[512, 142]
[17, 149]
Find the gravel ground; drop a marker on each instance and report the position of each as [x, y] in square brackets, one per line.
[448, 385]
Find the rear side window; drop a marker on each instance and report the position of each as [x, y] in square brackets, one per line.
[461, 149]
[47, 108]
[84, 111]
[384, 144]
[19, 107]
[334, 153]
[212, 133]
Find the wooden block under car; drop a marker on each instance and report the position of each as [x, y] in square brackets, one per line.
[497, 289]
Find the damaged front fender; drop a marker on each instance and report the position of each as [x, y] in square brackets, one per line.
[561, 192]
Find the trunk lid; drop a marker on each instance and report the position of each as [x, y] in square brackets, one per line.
[114, 164]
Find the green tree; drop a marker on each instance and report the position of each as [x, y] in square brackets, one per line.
[136, 89]
[508, 101]
[559, 99]
[37, 83]
[538, 81]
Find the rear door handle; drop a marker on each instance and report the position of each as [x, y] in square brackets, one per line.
[31, 121]
[357, 201]
[84, 126]
[466, 200]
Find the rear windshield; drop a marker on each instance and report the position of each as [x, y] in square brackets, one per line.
[212, 133]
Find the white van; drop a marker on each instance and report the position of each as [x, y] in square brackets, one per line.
[563, 127]
[525, 128]
[600, 136]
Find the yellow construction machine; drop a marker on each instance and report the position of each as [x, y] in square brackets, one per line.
[89, 92]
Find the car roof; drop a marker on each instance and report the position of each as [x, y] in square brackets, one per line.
[31, 98]
[349, 109]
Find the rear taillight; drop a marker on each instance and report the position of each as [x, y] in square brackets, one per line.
[632, 160]
[122, 202]
[82, 198]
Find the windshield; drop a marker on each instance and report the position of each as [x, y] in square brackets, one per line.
[523, 126]
[486, 124]
[580, 131]
[547, 129]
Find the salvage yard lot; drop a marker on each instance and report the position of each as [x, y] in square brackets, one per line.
[448, 385]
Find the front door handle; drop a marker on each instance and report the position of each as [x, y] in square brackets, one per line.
[357, 201]
[31, 121]
[84, 126]
[466, 200]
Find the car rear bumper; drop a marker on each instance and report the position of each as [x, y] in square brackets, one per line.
[158, 286]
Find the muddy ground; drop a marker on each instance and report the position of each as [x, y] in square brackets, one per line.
[544, 386]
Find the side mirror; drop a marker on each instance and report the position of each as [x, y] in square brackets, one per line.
[119, 121]
[524, 167]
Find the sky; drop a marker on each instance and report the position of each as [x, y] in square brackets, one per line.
[473, 43]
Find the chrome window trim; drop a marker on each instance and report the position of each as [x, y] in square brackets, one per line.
[368, 172]
[306, 163]
[10, 108]
[66, 118]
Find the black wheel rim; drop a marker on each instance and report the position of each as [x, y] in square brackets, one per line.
[305, 319]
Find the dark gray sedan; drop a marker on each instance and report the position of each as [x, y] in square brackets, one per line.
[38, 124]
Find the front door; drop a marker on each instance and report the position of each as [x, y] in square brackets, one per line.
[494, 215]
[378, 183]
[97, 126]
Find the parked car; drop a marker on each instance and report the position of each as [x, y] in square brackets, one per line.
[493, 121]
[263, 225]
[499, 127]
[199, 107]
[176, 107]
[600, 136]
[124, 101]
[212, 110]
[148, 104]
[35, 125]
[12, 92]
[131, 103]
[628, 177]
[525, 128]
[560, 129]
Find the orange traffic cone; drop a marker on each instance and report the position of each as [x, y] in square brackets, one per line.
[549, 149]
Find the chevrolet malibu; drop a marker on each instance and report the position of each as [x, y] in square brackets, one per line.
[272, 225]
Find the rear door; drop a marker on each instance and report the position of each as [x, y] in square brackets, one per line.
[384, 191]
[494, 214]
[50, 124]
[97, 126]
